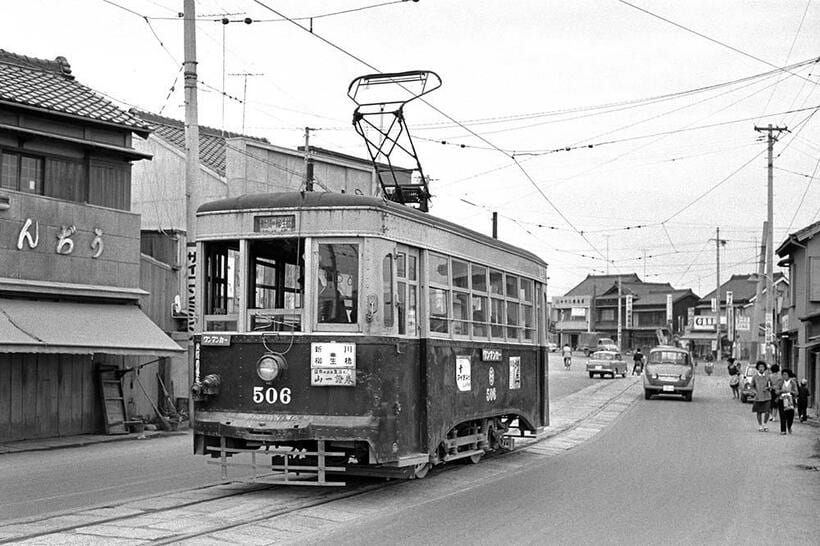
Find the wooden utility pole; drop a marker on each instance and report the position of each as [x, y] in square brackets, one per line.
[620, 323]
[757, 319]
[718, 242]
[308, 162]
[771, 138]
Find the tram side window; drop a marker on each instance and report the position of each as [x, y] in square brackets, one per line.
[527, 317]
[439, 275]
[497, 304]
[275, 284]
[221, 295]
[338, 283]
[387, 290]
[512, 307]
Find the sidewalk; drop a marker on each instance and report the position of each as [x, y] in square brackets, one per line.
[82, 440]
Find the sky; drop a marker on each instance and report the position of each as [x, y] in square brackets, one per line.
[609, 136]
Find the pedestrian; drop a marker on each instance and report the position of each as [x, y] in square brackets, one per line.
[734, 378]
[774, 374]
[567, 353]
[637, 362]
[802, 399]
[786, 394]
[762, 386]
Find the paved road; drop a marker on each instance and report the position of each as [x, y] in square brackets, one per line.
[44, 482]
[666, 472]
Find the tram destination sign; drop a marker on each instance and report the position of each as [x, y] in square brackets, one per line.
[333, 364]
[281, 223]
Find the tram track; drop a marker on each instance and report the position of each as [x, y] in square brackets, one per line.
[155, 522]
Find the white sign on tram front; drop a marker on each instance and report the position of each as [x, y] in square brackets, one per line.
[333, 364]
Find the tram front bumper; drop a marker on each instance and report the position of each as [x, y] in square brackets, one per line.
[285, 427]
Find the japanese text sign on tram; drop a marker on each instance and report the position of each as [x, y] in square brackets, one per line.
[333, 364]
[282, 223]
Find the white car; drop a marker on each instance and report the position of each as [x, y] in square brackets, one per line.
[552, 347]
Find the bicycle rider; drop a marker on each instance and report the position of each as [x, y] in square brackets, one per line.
[567, 353]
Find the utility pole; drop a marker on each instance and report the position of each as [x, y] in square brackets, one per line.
[620, 323]
[244, 91]
[607, 253]
[718, 243]
[644, 262]
[495, 225]
[308, 162]
[758, 307]
[771, 138]
[191, 169]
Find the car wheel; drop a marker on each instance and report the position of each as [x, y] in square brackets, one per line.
[687, 396]
[591, 375]
[646, 394]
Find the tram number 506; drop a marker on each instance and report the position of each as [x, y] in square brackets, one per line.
[271, 395]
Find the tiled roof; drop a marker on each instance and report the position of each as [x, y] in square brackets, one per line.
[600, 284]
[743, 288]
[211, 141]
[49, 85]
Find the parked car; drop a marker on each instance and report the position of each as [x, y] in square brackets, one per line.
[747, 393]
[606, 363]
[669, 370]
[552, 347]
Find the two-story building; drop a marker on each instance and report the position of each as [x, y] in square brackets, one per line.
[800, 335]
[69, 251]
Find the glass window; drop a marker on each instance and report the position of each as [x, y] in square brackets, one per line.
[496, 282]
[460, 275]
[512, 320]
[412, 311]
[439, 270]
[337, 283]
[526, 317]
[479, 277]
[412, 267]
[512, 287]
[461, 313]
[8, 171]
[387, 290]
[479, 316]
[525, 293]
[497, 318]
[275, 284]
[31, 174]
[438, 310]
[401, 306]
[221, 286]
[401, 265]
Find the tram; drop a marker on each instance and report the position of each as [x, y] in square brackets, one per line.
[345, 333]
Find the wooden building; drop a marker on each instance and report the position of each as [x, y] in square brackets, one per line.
[69, 250]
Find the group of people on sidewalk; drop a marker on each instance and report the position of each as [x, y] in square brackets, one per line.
[774, 390]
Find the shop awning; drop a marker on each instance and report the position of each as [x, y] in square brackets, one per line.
[698, 335]
[30, 326]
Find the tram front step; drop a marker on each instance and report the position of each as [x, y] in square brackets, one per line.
[462, 454]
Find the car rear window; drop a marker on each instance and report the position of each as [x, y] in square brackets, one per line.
[669, 357]
[603, 356]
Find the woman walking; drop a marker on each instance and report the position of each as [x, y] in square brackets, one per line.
[802, 399]
[786, 396]
[763, 396]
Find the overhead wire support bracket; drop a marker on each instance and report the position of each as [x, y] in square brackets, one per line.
[379, 120]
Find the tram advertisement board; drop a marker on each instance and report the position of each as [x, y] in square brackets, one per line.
[464, 380]
[515, 372]
[333, 364]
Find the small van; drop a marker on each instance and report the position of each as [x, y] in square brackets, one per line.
[669, 370]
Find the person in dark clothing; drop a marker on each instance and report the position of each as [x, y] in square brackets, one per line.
[734, 378]
[802, 399]
[777, 380]
[637, 362]
[786, 394]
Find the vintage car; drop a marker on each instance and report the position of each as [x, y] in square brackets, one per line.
[607, 362]
[747, 392]
[552, 346]
[669, 370]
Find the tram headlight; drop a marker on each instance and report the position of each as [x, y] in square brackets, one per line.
[269, 366]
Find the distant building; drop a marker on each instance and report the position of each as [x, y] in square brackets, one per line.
[70, 292]
[800, 316]
[650, 312]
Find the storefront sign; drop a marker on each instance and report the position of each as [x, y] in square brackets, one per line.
[743, 324]
[191, 286]
[65, 239]
[730, 316]
[668, 308]
[628, 311]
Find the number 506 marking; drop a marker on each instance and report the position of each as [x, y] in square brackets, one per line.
[271, 395]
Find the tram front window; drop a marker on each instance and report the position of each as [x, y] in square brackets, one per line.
[222, 285]
[275, 284]
[337, 283]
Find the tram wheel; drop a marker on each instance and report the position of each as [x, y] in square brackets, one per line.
[421, 470]
[476, 458]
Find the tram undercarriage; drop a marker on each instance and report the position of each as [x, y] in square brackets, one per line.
[323, 462]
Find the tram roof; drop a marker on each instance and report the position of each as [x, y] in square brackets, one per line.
[308, 200]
